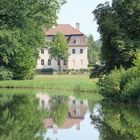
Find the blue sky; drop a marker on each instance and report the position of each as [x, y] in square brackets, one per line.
[80, 11]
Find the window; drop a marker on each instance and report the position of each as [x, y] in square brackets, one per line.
[74, 41]
[73, 62]
[42, 51]
[81, 50]
[42, 61]
[74, 102]
[58, 62]
[73, 51]
[77, 41]
[49, 62]
[81, 102]
[42, 104]
[65, 62]
[81, 61]
[78, 112]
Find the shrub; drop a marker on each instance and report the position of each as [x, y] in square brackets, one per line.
[90, 65]
[84, 70]
[132, 90]
[5, 74]
[130, 74]
[109, 85]
[66, 71]
[47, 70]
[122, 85]
[77, 71]
[137, 60]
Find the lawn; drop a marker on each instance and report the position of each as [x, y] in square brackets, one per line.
[78, 83]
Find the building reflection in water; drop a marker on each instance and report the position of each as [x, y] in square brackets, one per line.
[76, 112]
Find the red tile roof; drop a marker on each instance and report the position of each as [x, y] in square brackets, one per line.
[66, 29]
[69, 122]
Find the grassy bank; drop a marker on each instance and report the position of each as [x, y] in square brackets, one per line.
[78, 83]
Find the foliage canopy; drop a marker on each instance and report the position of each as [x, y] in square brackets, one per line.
[20, 118]
[119, 26]
[21, 33]
[59, 48]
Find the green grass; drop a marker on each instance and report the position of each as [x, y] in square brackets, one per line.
[77, 83]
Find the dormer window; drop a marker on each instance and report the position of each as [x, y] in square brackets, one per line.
[74, 41]
[78, 41]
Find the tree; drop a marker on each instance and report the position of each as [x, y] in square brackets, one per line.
[117, 121]
[119, 28]
[59, 49]
[21, 33]
[93, 50]
[20, 118]
[59, 109]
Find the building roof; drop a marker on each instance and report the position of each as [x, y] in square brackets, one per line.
[66, 29]
[69, 122]
[72, 118]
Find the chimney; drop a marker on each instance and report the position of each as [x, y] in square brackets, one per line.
[78, 127]
[78, 26]
[55, 129]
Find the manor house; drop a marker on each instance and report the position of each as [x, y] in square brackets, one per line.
[77, 43]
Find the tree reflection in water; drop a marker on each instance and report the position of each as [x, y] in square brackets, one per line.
[20, 118]
[59, 109]
[117, 121]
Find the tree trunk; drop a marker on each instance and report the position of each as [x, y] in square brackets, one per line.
[59, 67]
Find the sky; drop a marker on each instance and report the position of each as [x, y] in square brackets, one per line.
[80, 11]
[87, 131]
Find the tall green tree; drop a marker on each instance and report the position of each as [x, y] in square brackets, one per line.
[21, 32]
[59, 49]
[119, 26]
[94, 48]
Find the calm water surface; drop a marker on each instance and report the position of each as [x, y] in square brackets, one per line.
[56, 117]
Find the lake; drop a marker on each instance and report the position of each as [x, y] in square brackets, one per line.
[70, 116]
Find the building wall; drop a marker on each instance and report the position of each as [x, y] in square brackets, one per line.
[43, 101]
[76, 60]
[46, 57]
